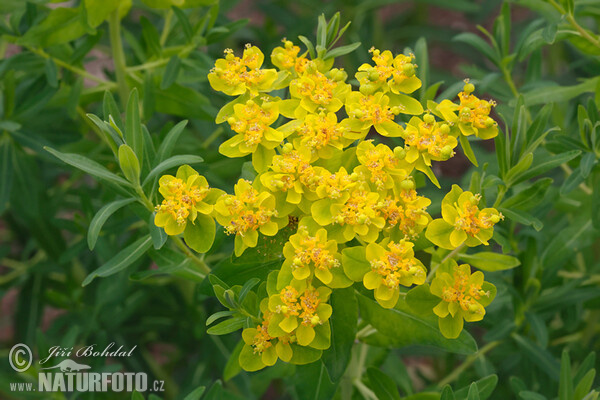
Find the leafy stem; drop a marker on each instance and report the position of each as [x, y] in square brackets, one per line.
[467, 363]
[199, 262]
[571, 19]
[448, 256]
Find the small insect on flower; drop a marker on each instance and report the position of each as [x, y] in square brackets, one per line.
[392, 264]
[462, 221]
[463, 296]
[246, 213]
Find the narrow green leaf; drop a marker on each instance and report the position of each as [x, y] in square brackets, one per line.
[129, 163]
[228, 326]
[172, 162]
[121, 260]
[466, 146]
[110, 108]
[343, 332]
[383, 386]
[342, 50]
[51, 73]
[158, 235]
[89, 166]
[479, 44]
[195, 394]
[565, 385]
[309, 46]
[184, 23]
[585, 385]
[218, 315]
[6, 172]
[541, 357]
[171, 73]
[530, 197]
[133, 127]
[522, 217]
[545, 166]
[489, 261]
[100, 218]
[166, 147]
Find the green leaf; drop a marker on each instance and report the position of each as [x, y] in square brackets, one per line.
[51, 73]
[158, 235]
[100, 218]
[466, 146]
[485, 387]
[473, 392]
[184, 23]
[562, 246]
[228, 326]
[110, 109]
[401, 326]
[151, 37]
[195, 394]
[489, 261]
[129, 163]
[383, 386]
[559, 93]
[565, 385]
[539, 356]
[166, 147]
[421, 300]
[171, 72]
[343, 332]
[247, 288]
[530, 197]
[522, 218]
[121, 260]
[355, 263]
[479, 44]
[545, 166]
[170, 163]
[99, 10]
[585, 385]
[133, 126]
[89, 166]
[320, 388]
[447, 393]
[137, 395]
[62, 25]
[521, 167]
[6, 172]
[200, 234]
[309, 46]
[233, 367]
[587, 164]
[342, 50]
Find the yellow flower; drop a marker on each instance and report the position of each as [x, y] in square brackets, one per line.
[358, 215]
[234, 75]
[287, 58]
[251, 121]
[472, 115]
[463, 297]
[290, 178]
[426, 140]
[392, 264]
[368, 111]
[246, 213]
[400, 68]
[261, 349]
[309, 255]
[318, 135]
[315, 91]
[380, 165]
[302, 309]
[406, 212]
[462, 221]
[185, 196]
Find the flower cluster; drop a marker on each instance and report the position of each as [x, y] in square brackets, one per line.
[359, 216]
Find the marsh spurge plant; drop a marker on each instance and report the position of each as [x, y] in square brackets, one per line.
[351, 201]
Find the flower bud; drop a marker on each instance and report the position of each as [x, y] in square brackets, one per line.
[495, 218]
[469, 88]
[407, 184]
[489, 122]
[447, 152]
[315, 320]
[445, 129]
[408, 69]
[429, 119]
[400, 153]
[373, 75]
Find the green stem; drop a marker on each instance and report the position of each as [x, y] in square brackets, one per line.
[470, 360]
[571, 19]
[116, 45]
[200, 263]
[71, 68]
[450, 255]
